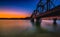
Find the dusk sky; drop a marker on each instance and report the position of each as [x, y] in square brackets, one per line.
[19, 8]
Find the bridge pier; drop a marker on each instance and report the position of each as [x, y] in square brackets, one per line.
[32, 20]
[54, 22]
[37, 22]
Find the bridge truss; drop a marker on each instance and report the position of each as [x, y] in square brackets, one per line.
[42, 6]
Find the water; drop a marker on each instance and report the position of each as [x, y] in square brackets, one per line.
[18, 27]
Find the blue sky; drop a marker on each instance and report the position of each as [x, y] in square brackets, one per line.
[24, 5]
[27, 5]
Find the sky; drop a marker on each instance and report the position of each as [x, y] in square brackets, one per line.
[19, 8]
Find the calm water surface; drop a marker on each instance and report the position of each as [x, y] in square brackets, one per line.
[10, 27]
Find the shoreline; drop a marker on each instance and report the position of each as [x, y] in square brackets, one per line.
[14, 18]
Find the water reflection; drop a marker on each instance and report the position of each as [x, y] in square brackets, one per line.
[48, 25]
[35, 24]
[16, 27]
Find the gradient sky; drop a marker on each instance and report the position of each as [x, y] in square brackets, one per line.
[19, 8]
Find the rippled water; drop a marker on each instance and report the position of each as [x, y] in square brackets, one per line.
[13, 27]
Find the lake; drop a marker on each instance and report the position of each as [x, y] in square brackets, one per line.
[25, 27]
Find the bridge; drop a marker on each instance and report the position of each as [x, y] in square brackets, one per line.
[53, 13]
[49, 13]
[44, 11]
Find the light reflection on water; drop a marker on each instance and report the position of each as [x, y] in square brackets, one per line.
[48, 24]
[18, 26]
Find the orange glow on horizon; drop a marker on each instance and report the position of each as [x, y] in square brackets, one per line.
[13, 14]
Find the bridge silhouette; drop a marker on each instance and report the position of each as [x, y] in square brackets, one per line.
[48, 13]
[52, 13]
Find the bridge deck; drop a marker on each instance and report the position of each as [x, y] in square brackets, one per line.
[53, 12]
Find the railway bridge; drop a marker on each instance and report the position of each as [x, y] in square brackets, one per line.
[45, 11]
